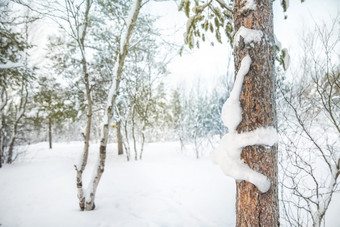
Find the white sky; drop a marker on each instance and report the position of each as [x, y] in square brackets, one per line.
[209, 62]
[205, 63]
[301, 19]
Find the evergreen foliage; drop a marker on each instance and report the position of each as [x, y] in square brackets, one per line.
[212, 16]
[16, 77]
[54, 104]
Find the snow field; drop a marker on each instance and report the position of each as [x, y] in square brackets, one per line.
[166, 188]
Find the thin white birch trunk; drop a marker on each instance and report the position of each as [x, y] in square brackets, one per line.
[113, 93]
[81, 43]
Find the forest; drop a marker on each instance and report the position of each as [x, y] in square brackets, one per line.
[169, 113]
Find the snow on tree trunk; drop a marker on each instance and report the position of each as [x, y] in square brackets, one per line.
[81, 34]
[126, 142]
[254, 208]
[112, 95]
[82, 165]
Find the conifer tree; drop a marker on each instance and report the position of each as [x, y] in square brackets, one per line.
[54, 103]
[15, 77]
[258, 104]
[239, 18]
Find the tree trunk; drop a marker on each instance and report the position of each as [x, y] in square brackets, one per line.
[119, 138]
[19, 114]
[142, 144]
[0, 153]
[196, 146]
[2, 125]
[81, 44]
[11, 148]
[2, 140]
[12, 140]
[0, 156]
[50, 132]
[133, 133]
[112, 96]
[126, 143]
[258, 103]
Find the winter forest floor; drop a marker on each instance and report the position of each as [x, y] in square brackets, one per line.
[167, 188]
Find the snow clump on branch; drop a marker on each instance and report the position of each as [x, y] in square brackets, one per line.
[249, 35]
[248, 5]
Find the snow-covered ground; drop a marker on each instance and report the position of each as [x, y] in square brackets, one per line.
[166, 188]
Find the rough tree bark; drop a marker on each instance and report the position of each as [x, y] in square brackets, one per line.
[258, 103]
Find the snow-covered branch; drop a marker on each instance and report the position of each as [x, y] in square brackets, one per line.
[224, 5]
[10, 65]
[130, 22]
[248, 5]
[249, 36]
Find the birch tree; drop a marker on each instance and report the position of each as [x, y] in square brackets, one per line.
[142, 70]
[86, 201]
[54, 104]
[142, 96]
[73, 17]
